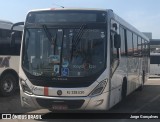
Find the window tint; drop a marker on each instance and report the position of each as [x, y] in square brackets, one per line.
[146, 48]
[123, 42]
[139, 45]
[113, 49]
[135, 43]
[143, 47]
[129, 43]
[5, 48]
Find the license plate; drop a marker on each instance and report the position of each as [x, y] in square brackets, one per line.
[59, 107]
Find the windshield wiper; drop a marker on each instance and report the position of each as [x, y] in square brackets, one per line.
[48, 34]
[78, 36]
[76, 40]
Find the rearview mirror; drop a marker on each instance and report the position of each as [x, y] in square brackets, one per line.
[16, 24]
[13, 34]
[117, 41]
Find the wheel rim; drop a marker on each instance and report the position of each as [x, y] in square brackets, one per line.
[8, 85]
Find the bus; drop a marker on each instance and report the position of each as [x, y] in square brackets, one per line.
[9, 58]
[154, 58]
[80, 59]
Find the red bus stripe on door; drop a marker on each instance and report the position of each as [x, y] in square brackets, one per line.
[46, 91]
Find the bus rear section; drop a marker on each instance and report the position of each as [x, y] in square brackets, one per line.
[9, 59]
[155, 58]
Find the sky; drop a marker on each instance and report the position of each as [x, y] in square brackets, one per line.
[142, 14]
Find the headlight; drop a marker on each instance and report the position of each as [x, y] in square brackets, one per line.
[99, 88]
[25, 87]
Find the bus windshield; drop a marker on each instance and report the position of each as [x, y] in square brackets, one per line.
[71, 53]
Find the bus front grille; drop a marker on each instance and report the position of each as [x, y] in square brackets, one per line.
[71, 104]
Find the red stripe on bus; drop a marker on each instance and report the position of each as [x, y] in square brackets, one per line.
[46, 91]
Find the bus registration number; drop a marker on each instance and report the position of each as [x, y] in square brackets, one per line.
[59, 107]
[75, 92]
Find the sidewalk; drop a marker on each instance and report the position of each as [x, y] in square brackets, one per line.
[153, 81]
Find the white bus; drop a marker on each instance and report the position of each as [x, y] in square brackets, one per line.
[154, 58]
[9, 58]
[83, 59]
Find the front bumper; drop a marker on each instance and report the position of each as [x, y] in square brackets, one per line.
[73, 103]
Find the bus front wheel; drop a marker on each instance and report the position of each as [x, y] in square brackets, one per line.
[7, 85]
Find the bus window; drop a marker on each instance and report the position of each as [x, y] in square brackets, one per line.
[123, 42]
[143, 47]
[129, 43]
[5, 43]
[139, 45]
[135, 43]
[114, 51]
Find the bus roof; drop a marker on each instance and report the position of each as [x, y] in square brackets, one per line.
[5, 21]
[48, 9]
[4, 24]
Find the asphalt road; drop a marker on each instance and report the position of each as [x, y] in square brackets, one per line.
[146, 101]
[12, 105]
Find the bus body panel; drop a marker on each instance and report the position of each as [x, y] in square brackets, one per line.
[9, 62]
[99, 102]
[90, 103]
[130, 67]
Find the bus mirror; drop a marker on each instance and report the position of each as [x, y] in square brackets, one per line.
[13, 35]
[115, 26]
[117, 41]
[12, 43]
[17, 24]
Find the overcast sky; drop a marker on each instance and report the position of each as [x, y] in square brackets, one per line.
[143, 14]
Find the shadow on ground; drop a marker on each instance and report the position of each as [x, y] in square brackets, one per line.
[12, 104]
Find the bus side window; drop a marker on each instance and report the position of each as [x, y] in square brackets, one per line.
[5, 42]
[114, 51]
[129, 43]
[135, 40]
[123, 42]
[139, 45]
[143, 47]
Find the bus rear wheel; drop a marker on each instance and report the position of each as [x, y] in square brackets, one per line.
[7, 85]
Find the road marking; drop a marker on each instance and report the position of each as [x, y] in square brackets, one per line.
[152, 100]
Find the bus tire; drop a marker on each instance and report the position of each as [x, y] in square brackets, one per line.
[124, 89]
[8, 85]
[143, 80]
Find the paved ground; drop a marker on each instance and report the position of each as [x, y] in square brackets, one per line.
[12, 105]
[146, 101]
